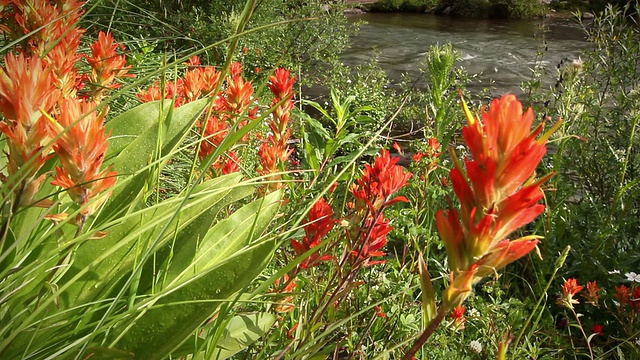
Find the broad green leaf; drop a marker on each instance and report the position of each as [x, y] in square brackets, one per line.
[126, 127]
[133, 161]
[227, 237]
[242, 331]
[175, 314]
[141, 229]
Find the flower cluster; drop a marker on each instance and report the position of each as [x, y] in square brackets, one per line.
[106, 65]
[42, 101]
[374, 191]
[82, 147]
[366, 228]
[233, 107]
[629, 297]
[498, 194]
[318, 224]
[274, 150]
[626, 303]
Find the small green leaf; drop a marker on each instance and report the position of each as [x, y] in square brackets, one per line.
[242, 331]
[428, 295]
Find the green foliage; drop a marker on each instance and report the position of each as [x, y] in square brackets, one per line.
[205, 262]
[502, 9]
[304, 36]
[155, 276]
[403, 5]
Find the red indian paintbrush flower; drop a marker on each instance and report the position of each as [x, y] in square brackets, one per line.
[374, 191]
[457, 314]
[570, 289]
[498, 194]
[373, 241]
[635, 299]
[81, 147]
[27, 87]
[319, 223]
[380, 182]
[274, 150]
[239, 92]
[281, 85]
[598, 329]
[106, 65]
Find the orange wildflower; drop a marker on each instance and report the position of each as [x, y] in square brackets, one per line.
[281, 85]
[593, 293]
[622, 294]
[458, 317]
[274, 151]
[44, 22]
[81, 147]
[193, 61]
[27, 87]
[210, 79]
[570, 289]
[62, 59]
[231, 164]
[285, 304]
[192, 84]
[238, 95]
[497, 193]
[106, 65]
[318, 224]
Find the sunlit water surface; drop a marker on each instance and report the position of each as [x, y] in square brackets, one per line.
[503, 52]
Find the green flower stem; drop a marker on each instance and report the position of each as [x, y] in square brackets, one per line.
[586, 338]
[433, 325]
[558, 265]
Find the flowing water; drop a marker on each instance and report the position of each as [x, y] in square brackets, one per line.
[501, 51]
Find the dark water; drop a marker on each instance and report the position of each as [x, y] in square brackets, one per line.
[501, 51]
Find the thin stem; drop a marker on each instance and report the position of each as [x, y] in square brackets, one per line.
[561, 259]
[4, 230]
[426, 334]
[582, 330]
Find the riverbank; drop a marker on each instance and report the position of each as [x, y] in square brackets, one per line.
[496, 9]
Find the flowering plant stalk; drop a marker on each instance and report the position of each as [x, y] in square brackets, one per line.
[498, 194]
[344, 245]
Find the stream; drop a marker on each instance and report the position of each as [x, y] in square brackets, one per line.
[501, 52]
